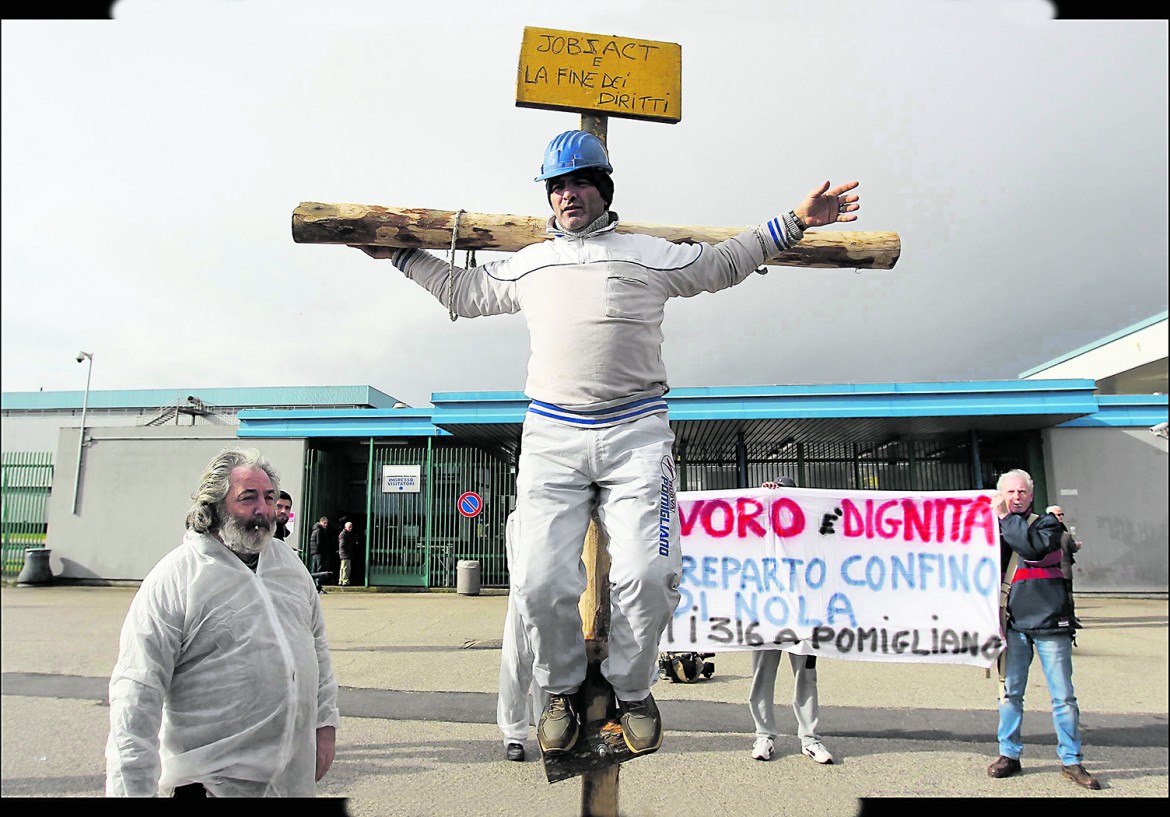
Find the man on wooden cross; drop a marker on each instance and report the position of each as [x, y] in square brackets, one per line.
[596, 430]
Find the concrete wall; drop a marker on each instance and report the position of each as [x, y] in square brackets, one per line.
[134, 493]
[1112, 485]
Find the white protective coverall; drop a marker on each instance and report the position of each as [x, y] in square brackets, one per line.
[520, 701]
[596, 430]
[234, 668]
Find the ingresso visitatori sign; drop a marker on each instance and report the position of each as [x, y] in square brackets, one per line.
[403, 479]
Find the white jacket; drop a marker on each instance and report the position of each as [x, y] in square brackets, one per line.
[234, 668]
[594, 305]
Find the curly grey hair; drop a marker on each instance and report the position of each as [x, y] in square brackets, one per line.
[207, 509]
[1015, 472]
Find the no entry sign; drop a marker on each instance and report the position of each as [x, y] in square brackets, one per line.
[470, 504]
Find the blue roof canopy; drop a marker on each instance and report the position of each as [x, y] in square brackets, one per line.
[719, 415]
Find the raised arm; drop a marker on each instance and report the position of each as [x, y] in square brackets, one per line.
[729, 262]
[1032, 542]
[469, 293]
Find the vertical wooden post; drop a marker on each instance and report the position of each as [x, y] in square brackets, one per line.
[599, 789]
[597, 125]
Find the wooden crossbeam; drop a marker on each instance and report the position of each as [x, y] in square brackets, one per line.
[318, 223]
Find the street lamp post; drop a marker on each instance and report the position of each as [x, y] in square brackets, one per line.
[81, 356]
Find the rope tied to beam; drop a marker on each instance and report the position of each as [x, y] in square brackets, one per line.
[451, 266]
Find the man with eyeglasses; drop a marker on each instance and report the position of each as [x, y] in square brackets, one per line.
[1069, 545]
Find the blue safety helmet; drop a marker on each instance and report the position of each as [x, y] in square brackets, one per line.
[571, 151]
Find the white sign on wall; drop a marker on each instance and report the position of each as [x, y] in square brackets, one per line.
[862, 575]
[401, 479]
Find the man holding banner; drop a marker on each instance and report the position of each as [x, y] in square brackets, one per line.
[805, 704]
[1040, 621]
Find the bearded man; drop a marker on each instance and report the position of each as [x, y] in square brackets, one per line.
[224, 685]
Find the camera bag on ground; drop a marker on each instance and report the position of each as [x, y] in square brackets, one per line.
[685, 667]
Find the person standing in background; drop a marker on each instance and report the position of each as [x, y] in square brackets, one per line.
[347, 545]
[805, 704]
[1069, 545]
[1039, 622]
[283, 513]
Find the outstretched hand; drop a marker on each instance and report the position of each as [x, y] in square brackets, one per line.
[375, 251]
[827, 206]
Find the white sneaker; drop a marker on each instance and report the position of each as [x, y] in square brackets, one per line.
[762, 750]
[818, 752]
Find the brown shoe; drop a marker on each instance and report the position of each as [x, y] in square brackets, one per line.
[558, 726]
[1005, 767]
[641, 725]
[1077, 774]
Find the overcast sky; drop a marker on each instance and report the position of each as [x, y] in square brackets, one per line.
[151, 165]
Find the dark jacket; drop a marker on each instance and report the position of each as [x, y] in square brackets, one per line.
[1038, 603]
[1067, 549]
[347, 544]
[317, 539]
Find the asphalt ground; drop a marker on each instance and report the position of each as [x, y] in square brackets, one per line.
[419, 671]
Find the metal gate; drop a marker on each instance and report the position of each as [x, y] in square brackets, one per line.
[396, 526]
[26, 479]
[417, 539]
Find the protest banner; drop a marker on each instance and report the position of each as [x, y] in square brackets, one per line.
[861, 575]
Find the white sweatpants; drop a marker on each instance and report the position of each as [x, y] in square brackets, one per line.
[629, 472]
[804, 695]
[520, 701]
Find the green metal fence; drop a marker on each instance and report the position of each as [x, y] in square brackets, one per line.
[26, 479]
[413, 531]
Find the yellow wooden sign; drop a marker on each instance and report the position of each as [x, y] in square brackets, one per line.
[600, 74]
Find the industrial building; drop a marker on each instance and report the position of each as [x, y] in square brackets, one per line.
[430, 487]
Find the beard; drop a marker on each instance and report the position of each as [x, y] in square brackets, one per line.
[246, 536]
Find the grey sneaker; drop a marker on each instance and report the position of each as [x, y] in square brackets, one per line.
[557, 730]
[641, 725]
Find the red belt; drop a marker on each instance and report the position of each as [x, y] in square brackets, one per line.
[1025, 573]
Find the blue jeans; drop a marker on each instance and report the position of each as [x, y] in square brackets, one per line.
[1055, 653]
